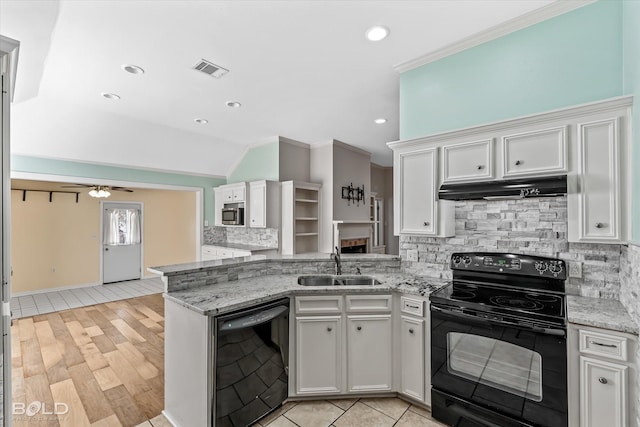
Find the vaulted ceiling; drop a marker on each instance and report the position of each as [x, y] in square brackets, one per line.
[300, 69]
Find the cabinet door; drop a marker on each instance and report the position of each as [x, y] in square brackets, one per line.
[238, 194]
[412, 357]
[318, 355]
[227, 195]
[417, 186]
[258, 205]
[369, 353]
[599, 181]
[468, 161]
[603, 394]
[538, 152]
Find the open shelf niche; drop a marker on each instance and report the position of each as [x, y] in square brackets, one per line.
[300, 217]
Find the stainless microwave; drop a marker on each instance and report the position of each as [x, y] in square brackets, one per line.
[233, 216]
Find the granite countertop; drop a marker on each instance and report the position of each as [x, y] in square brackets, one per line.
[240, 246]
[169, 270]
[230, 296]
[600, 313]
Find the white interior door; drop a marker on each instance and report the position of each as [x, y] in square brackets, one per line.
[121, 241]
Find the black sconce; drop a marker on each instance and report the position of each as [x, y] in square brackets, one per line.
[353, 194]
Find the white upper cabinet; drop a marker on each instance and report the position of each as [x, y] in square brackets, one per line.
[599, 181]
[469, 161]
[535, 152]
[590, 144]
[415, 187]
[264, 204]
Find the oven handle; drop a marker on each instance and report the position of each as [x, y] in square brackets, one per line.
[546, 331]
[465, 413]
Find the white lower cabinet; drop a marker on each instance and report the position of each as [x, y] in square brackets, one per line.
[412, 350]
[343, 348]
[369, 362]
[319, 355]
[602, 376]
[603, 393]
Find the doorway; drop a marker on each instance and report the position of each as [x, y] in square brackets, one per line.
[121, 241]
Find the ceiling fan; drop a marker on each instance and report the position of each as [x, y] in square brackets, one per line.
[99, 191]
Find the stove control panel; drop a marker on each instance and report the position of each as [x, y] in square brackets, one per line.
[518, 264]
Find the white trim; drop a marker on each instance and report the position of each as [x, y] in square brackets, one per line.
[122, 166]
[532, 119]
[377, 166]
[355, 149]
[528, 19]
[11, 48]
[58, 289]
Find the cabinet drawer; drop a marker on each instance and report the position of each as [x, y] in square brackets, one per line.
[611, 346]
[412, 306]
[368, 303]
[319, 304]
[237, 254]
[468, 161]
[208, 250]
[538, 152]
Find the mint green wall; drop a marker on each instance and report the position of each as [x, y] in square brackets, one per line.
[567, 60]
[261, 162]
[631, 86]
[87, 170]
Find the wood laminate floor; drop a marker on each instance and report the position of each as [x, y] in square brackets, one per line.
[105, 361]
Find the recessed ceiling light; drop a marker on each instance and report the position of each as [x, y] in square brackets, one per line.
[110, 95]
[377, 33]
[233, 104]
[201, 121]
[133, 69]
[380, 121]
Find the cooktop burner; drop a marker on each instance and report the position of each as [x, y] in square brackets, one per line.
[490, 298]
[519, 303]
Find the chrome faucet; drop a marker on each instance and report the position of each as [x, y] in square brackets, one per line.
[336, 258]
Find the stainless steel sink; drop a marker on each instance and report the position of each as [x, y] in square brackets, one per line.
[326, 280]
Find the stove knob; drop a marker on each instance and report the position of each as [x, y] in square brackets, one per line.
[555, 268]
[541, 266]
[466, 260]
[456, 260]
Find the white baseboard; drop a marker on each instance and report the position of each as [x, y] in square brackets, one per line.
[47, 290]
[172, 422]
[66, 288]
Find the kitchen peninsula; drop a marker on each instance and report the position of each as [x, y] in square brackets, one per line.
[324, 334]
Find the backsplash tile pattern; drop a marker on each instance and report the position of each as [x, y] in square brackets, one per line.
[533, 226]
[630, 297]
[212, 235]
[268, 267]
[267, 237]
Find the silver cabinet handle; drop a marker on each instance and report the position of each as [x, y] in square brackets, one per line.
[599, 225]
[359, 328]
[603, 380]
[426, 223]
[411, 330]
[329, 329]
[480, 167]
[518, 162]
[604, 345]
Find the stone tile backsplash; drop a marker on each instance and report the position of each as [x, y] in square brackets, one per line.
[630, 296]
[533, 226]
[267, 237]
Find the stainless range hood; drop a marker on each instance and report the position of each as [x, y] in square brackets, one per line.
[512, 189]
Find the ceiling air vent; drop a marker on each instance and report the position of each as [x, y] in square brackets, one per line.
[210, 69]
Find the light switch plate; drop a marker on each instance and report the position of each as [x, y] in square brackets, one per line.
[412, 255]
[575, 269]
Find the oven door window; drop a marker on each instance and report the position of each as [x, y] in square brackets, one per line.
[495, 363]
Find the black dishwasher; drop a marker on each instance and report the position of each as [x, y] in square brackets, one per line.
[251, 363]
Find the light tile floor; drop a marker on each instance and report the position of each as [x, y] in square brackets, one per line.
[370, 412]
[31, 305]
